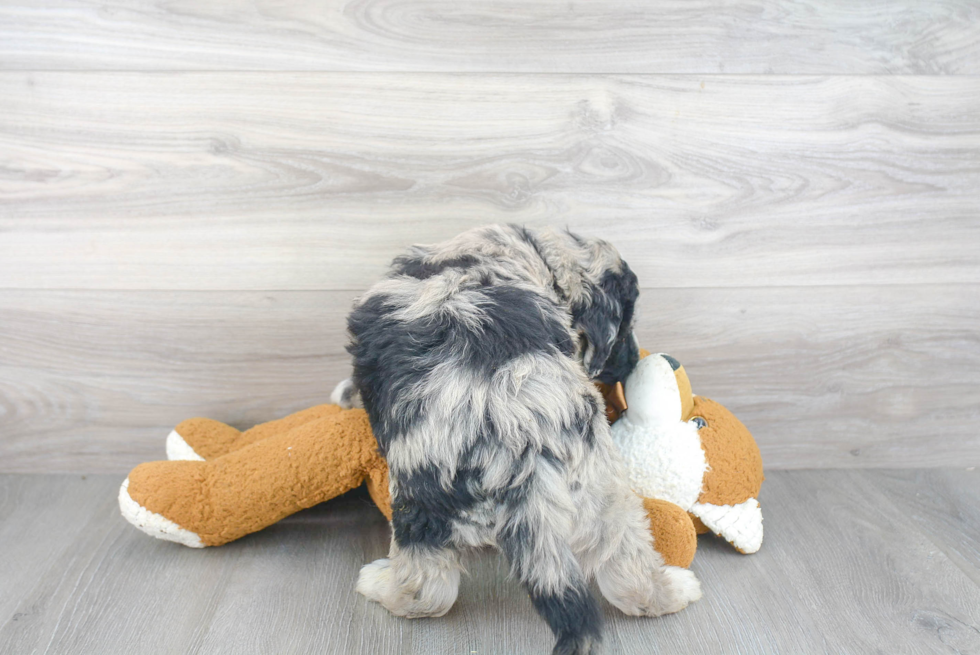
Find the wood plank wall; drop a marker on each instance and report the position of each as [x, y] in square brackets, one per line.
[192, 193]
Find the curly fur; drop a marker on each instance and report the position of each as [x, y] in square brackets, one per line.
[474, 359]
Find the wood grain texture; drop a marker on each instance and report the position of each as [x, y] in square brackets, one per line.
[33, 539]
[314, 181]
[92, 381]
[942, 503]
[840, 571]
[597, 36]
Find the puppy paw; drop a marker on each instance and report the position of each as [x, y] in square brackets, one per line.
[345, 394]
[432, 593]
[374, 580]
[681, 587]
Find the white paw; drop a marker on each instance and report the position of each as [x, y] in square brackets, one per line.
[431, 594]
[178, 449]
[152, 523]
[374, 580]
[682, 588]
[345, 394]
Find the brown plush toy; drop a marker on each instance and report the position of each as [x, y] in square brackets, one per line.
[691, 452]
[221, 484]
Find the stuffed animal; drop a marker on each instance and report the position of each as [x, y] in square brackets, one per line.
[690, 451]
[221, 484]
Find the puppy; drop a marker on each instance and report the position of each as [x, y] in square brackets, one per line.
[474, 360]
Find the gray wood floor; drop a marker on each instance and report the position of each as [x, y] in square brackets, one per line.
[855, 561]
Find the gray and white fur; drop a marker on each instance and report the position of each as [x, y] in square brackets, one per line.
[474, 359]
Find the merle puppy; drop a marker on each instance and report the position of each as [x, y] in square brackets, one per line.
[475, 360]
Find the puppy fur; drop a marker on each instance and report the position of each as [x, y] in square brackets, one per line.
[474, 359]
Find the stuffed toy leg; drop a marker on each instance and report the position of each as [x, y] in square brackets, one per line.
[227, 483]
[199, 439]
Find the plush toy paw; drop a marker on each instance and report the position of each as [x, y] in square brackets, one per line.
[674, 534]
[199, 439]
[153, 524]
[739, 524]
[169, 501]
[179, 450]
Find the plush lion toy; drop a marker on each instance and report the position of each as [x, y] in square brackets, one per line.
[221, 484]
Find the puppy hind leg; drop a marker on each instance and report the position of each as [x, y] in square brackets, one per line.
[420, 576]
[631, 574]
[414, 581]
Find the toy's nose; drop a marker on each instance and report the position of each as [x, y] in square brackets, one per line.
[674, 364]
[651, 392]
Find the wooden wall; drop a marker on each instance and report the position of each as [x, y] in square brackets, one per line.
[192, 193]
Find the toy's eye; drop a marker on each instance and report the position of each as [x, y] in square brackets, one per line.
[698, 421]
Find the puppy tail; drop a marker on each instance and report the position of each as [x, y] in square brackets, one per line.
[573, 616]
[346, 395]
[542, 559]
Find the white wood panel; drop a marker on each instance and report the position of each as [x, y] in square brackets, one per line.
[314, 181]
[93, 381]
[600, 36]
[823, 376]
